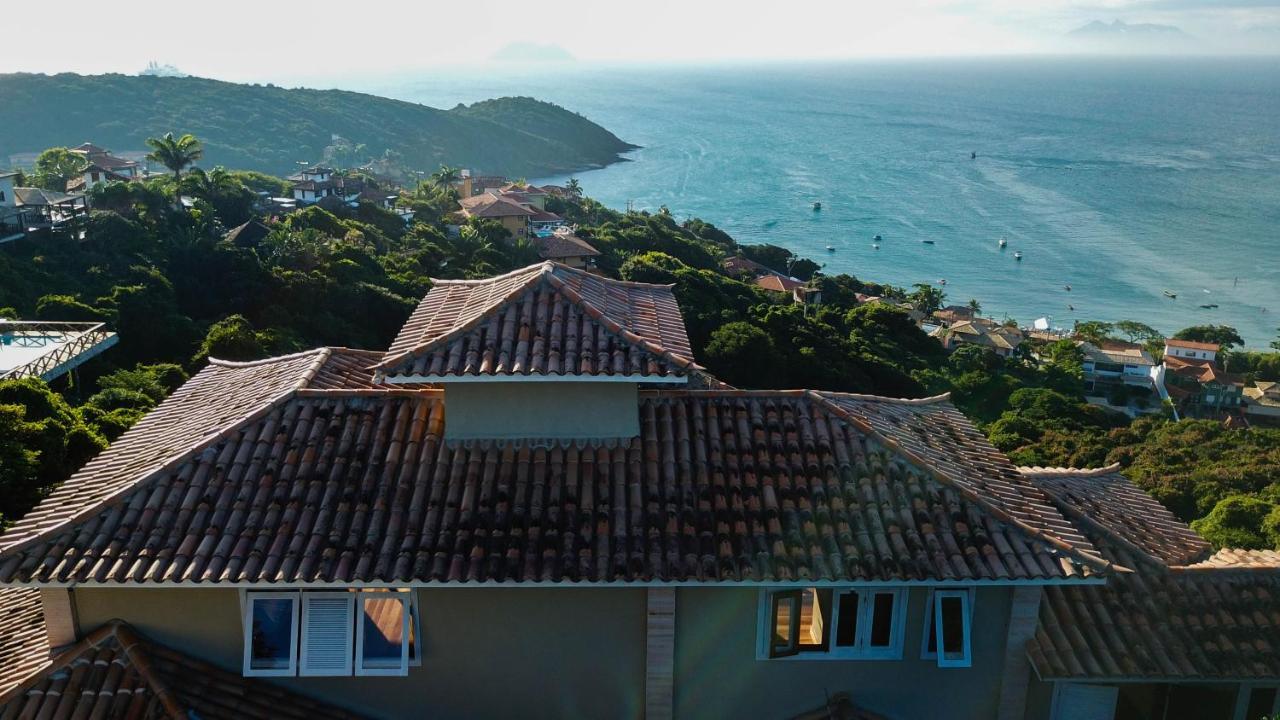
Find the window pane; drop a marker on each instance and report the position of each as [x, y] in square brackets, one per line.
[383, 632]
[847, 620]
[1261, 700]
[272, 634]
[782, 621]
[931, 641]
[952, 625]
[812, 631]
[882, 620]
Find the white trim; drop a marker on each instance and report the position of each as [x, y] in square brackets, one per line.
[349, 598]
[446, 379]
[861, 649]
[247, 634]
[928, 614]
[436, 585]
[403, 668]
[966, 653]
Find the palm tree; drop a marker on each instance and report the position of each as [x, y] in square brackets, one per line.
[175, 153]
[446, 176]
[204, 185]
[976, 307]
[574, 187]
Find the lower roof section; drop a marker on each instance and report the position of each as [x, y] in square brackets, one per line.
[361, 486]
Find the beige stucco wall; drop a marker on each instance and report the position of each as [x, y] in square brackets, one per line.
[717, 674]
[488, 652]
[541, 410]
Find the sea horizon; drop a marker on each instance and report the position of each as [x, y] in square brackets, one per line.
[1123, 178]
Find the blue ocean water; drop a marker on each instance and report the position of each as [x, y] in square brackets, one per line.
[1120, 178]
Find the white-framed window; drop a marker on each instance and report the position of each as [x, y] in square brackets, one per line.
[384, 633]
[832, 623]
[331, 633]
[955, 655]
[271, 634]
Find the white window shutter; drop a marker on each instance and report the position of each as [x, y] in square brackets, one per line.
[328, 625]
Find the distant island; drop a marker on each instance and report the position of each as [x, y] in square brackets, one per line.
[273, 129]
[532, 52]
[1119, 28]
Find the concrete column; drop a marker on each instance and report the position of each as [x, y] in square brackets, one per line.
[660, 654]
[1024, 615]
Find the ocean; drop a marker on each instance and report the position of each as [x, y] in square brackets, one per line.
[1122, 178]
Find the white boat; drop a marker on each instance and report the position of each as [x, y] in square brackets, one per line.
[875, 246]
[1017, 255]
[1003, 242]
[831, 248]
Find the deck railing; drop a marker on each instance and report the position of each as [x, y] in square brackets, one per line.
[81, 341]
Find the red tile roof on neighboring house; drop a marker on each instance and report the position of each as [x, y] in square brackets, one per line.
[116, 674]
[721, 486]
[543, 320]
[738, 265]
[1214, 619]
[777, 283]
[1193, 345]
[491, 206]
[24, 643]
[563, 245]
[1199, 370]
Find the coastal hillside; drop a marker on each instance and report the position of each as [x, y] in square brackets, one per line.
[272, 129]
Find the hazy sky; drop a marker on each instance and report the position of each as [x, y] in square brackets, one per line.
[263, 40]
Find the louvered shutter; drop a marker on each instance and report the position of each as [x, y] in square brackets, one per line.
[328, 625]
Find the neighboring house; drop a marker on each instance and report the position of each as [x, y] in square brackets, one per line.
[106, 163]
[563, 246]
[9, 215]
[953, 314]
[1001, 339]
[513, 216]
[37, 208]
[1191, 350]
[47, 350]
[469, 185]
[1115, 361]
[771, 280]
[248, 235]
[1195, 383]
[1262, 399]
[317, 183]
[94, 175]
[528, 488]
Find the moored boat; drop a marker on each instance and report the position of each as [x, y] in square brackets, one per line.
[1170, 295]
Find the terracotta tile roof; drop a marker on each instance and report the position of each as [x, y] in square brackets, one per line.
[737, 264]
[1192, 345]
[1199, 370]
[1238, 559]
[24, 644]
[347, 369]
[546, 319]
[935, 432]
[344, 486]
[490, 206]
[115, 674]
[214, 402]
[1161, 625]
[563, 245]
[777, 283]
[1120, 512]
[249, 234]
[1213, 620]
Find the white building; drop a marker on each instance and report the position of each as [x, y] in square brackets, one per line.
[1191, 350]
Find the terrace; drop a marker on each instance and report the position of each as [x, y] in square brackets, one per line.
[48, 350]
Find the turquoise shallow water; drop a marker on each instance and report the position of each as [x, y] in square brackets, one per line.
[1122, 178]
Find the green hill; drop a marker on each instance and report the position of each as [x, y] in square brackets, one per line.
[272, 129]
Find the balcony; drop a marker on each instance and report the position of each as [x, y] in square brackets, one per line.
[48, 350]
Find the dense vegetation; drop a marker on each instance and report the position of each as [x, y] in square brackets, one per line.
[177, 293]
[271, 129]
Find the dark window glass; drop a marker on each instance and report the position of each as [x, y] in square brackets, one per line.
[847, 620]
[882, 620]
[272, 633]
[1261, 700]
[952, 625]
[931, 642]
[785, 636]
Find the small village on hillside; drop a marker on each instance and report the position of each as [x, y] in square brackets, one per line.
[575, 482]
